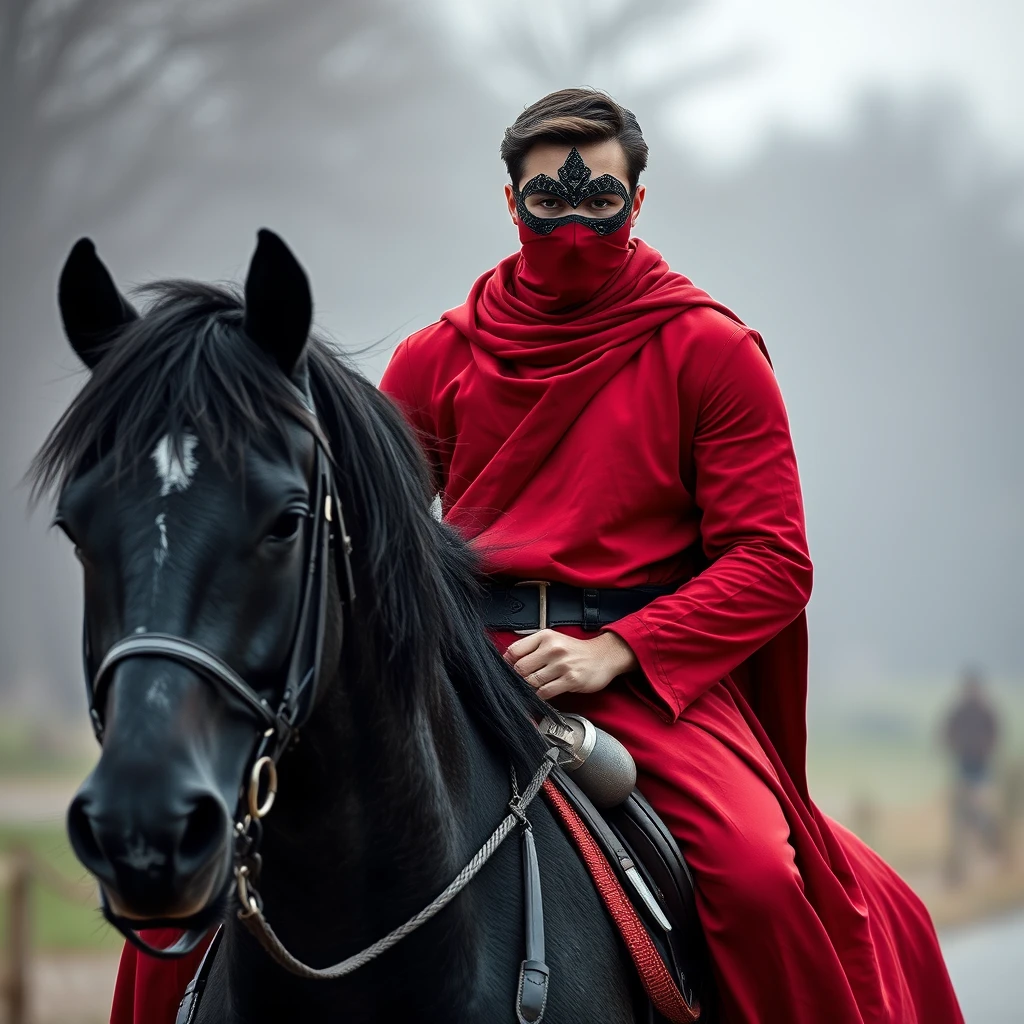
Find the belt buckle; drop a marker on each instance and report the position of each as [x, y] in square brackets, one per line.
[542, 609]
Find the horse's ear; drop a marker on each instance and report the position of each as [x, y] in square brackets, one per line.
[278, 303]
[90, 305]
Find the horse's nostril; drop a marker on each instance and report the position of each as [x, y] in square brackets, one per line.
[83, 839]
[205, 830]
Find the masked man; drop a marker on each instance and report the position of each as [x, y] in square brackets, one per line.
[598, 423]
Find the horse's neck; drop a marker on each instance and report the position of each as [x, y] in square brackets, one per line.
[373, 822]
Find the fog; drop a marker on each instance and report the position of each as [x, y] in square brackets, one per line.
[852, 188]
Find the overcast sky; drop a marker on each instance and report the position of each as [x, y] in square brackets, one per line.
[819, 54]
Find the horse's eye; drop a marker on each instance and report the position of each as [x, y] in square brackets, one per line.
[286, 526]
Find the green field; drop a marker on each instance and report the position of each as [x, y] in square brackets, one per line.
[32, 753]
[57, 921]
[45, 750]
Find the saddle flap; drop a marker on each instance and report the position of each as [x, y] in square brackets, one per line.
[635, 842]
[660, 861]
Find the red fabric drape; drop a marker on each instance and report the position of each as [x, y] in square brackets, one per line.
[541, 369]
[148, 991]
[641, 438]
[651, 496]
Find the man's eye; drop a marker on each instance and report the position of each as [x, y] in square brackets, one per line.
[601, 204]
[550, 204]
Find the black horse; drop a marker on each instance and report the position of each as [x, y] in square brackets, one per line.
[188, 476]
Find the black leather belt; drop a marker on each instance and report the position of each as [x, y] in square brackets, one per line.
[529, 605]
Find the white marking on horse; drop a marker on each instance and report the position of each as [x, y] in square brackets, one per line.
[175, 473]
[157, 696]
[176, 465]
[160, 553]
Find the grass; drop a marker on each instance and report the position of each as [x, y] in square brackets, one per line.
[39, 753]
[58, 923]
[45, 750]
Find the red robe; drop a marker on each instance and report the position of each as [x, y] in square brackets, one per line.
[642, 439]
[147, 990]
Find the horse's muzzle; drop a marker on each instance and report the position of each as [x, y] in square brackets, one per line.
[156, 860]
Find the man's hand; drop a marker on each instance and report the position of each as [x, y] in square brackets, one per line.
[553, 663]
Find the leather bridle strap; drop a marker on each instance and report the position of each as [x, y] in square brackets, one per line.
[532, 988]
[200, 660]
[295, 700]
[277, 727]
[534, 974]
[188, 1008]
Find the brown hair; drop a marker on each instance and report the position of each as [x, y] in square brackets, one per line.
[574, 116]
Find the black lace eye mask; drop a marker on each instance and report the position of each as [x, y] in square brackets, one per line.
[574, 187]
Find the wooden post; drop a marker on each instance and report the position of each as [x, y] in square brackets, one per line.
[19, 937]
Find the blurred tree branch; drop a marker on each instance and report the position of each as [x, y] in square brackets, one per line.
[102, 92]
[129, 114]
[628, 49]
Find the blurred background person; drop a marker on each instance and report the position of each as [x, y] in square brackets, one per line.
[971, 736]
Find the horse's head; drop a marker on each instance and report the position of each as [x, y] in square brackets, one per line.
[193, 488]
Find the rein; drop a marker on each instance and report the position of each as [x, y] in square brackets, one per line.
[259, 927]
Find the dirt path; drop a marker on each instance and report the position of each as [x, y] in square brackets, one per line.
[72, 988]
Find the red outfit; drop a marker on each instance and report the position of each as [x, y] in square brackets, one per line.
[148, 990]
[641, 438]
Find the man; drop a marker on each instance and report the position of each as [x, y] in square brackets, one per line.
[971, 735]
[598, 423]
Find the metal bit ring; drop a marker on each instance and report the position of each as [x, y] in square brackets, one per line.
[257, 809]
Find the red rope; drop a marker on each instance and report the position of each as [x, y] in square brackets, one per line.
[655, 976]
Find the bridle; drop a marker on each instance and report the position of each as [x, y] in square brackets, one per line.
[277, 725]
[277, 728]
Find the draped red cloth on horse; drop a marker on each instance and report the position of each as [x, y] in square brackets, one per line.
[641, 438]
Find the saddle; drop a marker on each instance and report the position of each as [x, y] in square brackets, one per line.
[646, 886]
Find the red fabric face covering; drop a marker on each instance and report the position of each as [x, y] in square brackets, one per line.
[569, 266]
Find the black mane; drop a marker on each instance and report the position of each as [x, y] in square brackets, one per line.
[187, 366]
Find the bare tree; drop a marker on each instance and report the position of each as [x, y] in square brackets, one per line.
[134, 110]
[97, 94]
[125, 112]
[629, 49]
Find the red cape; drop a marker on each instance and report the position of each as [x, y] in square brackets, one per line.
[537, 372]
[542, 369]
[641, 439]
[148, 991]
